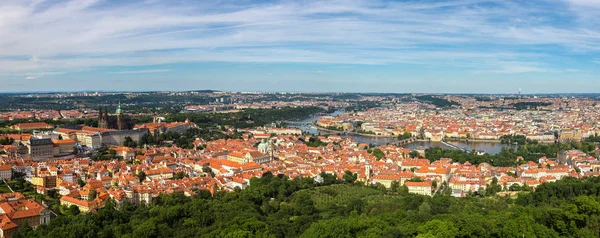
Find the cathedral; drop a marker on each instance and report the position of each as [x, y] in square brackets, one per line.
[118, 121]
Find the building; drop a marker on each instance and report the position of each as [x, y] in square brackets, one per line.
[32, 126]
[83, 205]
[117, 138]
[102, 119]
[5, 172]
[44, 181]
[159, 173]
[423, 188]
[66, 146]
[285, 131]
[250, 156]
[40, 148]
[386, 179]
[16, 210]
[159, 127]
[87, 136]
[118, 121]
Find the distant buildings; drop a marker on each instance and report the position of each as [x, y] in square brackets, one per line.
[118, 121]
[95, 137]
[158, 127]
[32, 126]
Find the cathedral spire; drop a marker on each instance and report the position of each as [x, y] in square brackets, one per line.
[119, 108]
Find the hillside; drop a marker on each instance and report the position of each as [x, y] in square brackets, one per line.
[278, 207]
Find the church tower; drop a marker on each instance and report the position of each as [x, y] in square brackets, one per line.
[120, 120]
[102, 120]
[368, 171]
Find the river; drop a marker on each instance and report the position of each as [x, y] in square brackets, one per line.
[489, 147]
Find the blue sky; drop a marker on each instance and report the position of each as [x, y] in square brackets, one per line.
[472, 46]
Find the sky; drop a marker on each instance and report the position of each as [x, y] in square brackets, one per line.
[417, 46]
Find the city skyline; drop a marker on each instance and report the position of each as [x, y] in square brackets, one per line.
[312, 46]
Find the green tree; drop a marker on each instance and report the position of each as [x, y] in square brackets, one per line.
[80, 182]
[74, 210]
[92, 195]
[350, 177]
[142, 175]
[378, 153]
[438, 228]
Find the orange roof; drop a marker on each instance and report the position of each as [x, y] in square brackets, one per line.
[417, 184]
[251, 166]
[63, 142]
[6, 223]
[236, 154]
[75, 201]
[32, 125]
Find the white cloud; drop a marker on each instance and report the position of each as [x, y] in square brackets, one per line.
[79, 35]
[35, 75]
[585, 3]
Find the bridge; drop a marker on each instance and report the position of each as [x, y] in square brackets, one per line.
[297, 123]
[405, 141]
[453, 146]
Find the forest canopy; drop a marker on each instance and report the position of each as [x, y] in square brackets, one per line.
[276, 206]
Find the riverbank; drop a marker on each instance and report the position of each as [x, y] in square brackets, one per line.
[309, 125]
[488, 141]
[351, 133]
[472, 140]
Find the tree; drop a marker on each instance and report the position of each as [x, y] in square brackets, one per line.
[404, 136]
[128, 142]
[80, 182]
[92, 195]
[415, 179]
[142, 176]
[425, 208]
[514, 187]
[481, 192]
[179, 175]
[395, 186]
[437, 228]
[493, 187]
[74, 210]
[378, 154]
[350, 177]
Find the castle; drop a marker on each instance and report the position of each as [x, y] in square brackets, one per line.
[112, 122]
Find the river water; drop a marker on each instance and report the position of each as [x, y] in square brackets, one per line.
[489, 147]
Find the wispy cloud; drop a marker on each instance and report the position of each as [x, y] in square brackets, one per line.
[145, 71]
[35, 75]
[511, 67]
[86, 34]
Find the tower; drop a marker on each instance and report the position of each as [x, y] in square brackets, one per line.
[120, 121]
[102, 120]
[368, 171]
